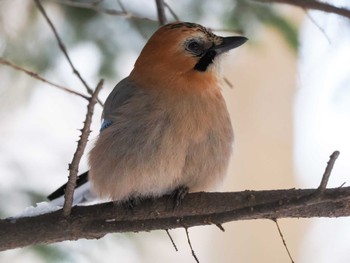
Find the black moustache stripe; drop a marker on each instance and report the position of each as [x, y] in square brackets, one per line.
[205, 60]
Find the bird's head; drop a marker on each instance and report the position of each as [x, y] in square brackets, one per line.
[180, 53]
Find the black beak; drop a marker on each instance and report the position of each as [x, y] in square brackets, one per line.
[229, 43]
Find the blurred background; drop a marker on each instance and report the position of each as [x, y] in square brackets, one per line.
[290, 107]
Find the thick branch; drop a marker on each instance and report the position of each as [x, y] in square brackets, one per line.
[197, 209]
[313, 4]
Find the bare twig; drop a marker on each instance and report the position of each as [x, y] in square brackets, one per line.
[220, 227]
[62, 46]
[136, 25]
[74, 165]
[171, 239]
[161, 12]
[172, 12]
[121, 5]
[283, 240]
[327, 172]
[38, 77]
[313, 4]
[318, 26]
[189, 243]
[99, 9]
[228, 83]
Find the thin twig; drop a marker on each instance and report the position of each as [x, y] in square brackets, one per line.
[121, 5]
[342, 185]
[229, 84]
[322, 187]
[99, 9]
[312, 4]
[172, 12]
[189, 243]
[161, 12]
[171, 239]
[318, 26]
[74, 165]
[220, 227]
[136, 25]
[62, 46]
[38, 77]
[283, 240]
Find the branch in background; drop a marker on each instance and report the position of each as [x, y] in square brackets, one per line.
[74, 165]
[99, 9]
[228, 83]
[161, 12]
[322, 30]
[136, 25]
[38, 77]
[172, 12]
[63, 47]
[312, 4]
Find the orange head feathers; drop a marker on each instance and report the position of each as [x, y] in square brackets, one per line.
[181, 52]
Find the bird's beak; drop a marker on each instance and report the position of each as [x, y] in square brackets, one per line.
[229, 43]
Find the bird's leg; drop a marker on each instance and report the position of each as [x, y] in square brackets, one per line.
[178, 195]
[131, 202]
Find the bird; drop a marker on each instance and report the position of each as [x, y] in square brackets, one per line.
[165, 128]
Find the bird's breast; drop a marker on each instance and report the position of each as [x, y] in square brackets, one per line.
[157, 143]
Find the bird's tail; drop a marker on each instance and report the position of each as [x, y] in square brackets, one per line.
[82, 192]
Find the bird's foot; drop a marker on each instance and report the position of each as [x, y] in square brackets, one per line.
[178, 195]
[131, 202]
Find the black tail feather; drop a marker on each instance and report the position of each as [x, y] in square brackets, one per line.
[82, 179]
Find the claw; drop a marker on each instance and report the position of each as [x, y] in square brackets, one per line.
[178, 195]
[131, 203]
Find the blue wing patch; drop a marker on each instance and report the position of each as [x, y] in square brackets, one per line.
[105, 124]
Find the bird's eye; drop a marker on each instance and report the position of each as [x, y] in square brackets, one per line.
[195, 47]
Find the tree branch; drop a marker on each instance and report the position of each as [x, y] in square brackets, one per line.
[63, 47]
[161, 12]
[38, 77]
[74, 165]
[327, 173]
[172, 12]
[197, 209]
[99, 9]
[284, 241]
[313, 4]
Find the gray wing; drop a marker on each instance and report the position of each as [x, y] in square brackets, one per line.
[121, 93]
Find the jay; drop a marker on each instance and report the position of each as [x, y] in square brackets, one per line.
[166, 128]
